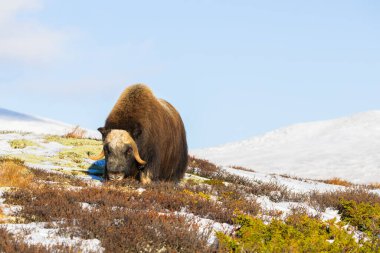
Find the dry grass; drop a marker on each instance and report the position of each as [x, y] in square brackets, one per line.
[273, 190]
[76, 133]
[337, 181]
[241, 168]
[14, 174]
[57, 178]
[293, 177]
[374, 186]
[201, 167]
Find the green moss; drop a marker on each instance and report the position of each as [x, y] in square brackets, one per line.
[79, 151]
[214, 182]
[204, 195]
[193, 180]
[73, 157]
[72, 141]
[78, 154]
[298, 233]
[22, 143]
[76, 158]
[35, 159]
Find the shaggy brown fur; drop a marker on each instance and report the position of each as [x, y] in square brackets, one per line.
[157, 129]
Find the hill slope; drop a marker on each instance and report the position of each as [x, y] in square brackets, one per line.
[347, 147]
[52, 200]
[14, 121]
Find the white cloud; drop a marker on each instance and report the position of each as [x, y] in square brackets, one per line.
[27, 41]
[8, 7]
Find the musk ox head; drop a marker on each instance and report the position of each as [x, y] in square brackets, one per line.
[121, 154]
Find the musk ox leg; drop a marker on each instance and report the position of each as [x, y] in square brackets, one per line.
[105, 174]
[145, 177]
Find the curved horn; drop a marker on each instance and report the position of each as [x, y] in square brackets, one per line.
[98, 157]
[136, 152]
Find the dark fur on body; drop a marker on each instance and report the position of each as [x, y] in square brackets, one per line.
[157, 129]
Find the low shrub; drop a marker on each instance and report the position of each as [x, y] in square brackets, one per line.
[10, 245]
[201, 167]
[58, 178]
[323, 200]
[373, 186]
[123, 220]
[76, 133]
[364, 216]
[13, 244]
[298, 233]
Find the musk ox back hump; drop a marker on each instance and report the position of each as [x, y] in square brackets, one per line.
[174, 160]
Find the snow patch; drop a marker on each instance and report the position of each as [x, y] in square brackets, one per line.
[346, 147]
[294, 185]
[38, 234]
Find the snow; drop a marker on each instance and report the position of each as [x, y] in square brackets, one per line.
[47, 149]
[36, 233]
[14, 121]
[7, 210]
[206, 225]
[294, 185]
[330, 214]
[347, 148]
[42, 150]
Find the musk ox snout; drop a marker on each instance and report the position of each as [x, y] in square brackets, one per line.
[116, 176]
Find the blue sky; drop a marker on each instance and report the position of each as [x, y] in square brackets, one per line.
[233, 69]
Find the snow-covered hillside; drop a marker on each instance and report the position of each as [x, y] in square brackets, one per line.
[51, 194]
[348, 148]
[14, 121]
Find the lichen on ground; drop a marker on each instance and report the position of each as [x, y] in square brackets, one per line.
[58, 153]
[72, 141]
[22, 143]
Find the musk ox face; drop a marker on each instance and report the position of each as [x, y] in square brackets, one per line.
[121, 154]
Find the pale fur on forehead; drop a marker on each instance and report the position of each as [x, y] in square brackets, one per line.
[119, 136]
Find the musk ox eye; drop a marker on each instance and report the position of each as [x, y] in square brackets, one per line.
[129, 150]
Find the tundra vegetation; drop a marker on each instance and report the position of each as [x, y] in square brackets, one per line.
[20, 144]
[127, 216]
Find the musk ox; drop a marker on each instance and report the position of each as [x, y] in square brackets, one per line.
[144, 137]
